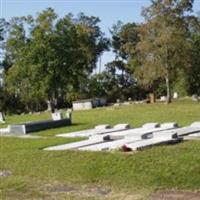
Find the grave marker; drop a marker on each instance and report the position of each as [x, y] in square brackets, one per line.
[2, 119]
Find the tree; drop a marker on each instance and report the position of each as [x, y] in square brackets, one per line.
[110, 86]
[164, 45]
[3, 30]
[193, 73]
[52, 56]
[124, 40]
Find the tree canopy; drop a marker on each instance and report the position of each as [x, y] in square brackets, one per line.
[52, 55]
[51, 60]
[164, 42]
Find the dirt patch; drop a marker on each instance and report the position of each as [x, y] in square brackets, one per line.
[175, 195]
[98, 191]
[61, 188]
[83, 191]
[5, 173]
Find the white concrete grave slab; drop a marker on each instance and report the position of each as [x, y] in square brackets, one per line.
[162, 135]
[143, 130]
[195, 124]
[92, 140]
[86, 133]
[129, 136]
[135, 139]
[76, 145]
[138, 145]
[102, 126]
[158, 138]
[100, 129]
[187, 130]
[4, 131]
[98, 139]
[151, 125]
[169, 125]
[110, 144]
[194, 136]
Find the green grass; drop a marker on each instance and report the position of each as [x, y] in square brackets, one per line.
[176, 166]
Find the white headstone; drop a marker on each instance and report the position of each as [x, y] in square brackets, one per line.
[175, 95]
[195, 97]
[163, 98]
[57, 116]
[82, 105]
[2, 120]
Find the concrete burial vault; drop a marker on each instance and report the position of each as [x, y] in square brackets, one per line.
[29, 127]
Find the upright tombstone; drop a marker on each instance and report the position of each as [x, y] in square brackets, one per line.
[175, 95]
[195, 97]
[57, 116]
[82, 104]
[2, 119]
[163, 98]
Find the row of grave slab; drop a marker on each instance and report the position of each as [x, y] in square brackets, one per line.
[122, 136]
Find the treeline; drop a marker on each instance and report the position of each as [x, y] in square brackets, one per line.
[52, 61]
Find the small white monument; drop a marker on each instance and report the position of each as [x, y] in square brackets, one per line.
[175, 95]
[82, 104]
[2, 119]
[57, 116]
[163, 98]
[195, 97]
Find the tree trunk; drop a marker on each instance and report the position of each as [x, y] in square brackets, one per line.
[168, 99]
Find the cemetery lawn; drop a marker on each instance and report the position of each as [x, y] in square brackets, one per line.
[27, 172]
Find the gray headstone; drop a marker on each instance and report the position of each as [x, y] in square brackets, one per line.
[17, 129]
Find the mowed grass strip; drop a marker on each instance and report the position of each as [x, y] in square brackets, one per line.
[176, 166]
[183, 112]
